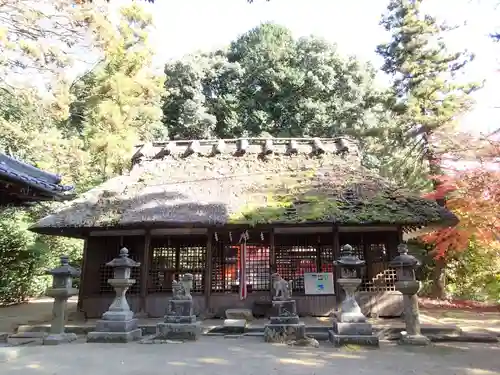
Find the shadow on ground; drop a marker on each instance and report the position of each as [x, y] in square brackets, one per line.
[250, 356]
[35, 311]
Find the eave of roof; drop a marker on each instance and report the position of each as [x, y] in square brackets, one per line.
[20, 173]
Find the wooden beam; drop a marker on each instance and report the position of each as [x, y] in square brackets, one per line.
[302, 230]
[272, 260]
[371, 228]
[178, 231]
[145, 272]
[117, 233]
[208, 271]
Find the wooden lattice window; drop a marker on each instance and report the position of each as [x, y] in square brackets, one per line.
[226, 257]
[379, 277]
[258, 267]
[163, 269]
[171, 258]
[106, 272]
[192, 259]
[298, 254]
[327, 257]
[224, 268]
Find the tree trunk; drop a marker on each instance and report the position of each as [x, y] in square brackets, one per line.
[438, 279]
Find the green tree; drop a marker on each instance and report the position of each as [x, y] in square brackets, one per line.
[72, 130]
[185, 112]
[425, 96]
[38, 39]
[118, 102]
[268, 82]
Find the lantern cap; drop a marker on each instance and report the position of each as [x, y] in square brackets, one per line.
[123, 260]
[348, 258]
[404, 259]
[64, 269]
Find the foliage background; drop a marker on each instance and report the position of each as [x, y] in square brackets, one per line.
[264, 83]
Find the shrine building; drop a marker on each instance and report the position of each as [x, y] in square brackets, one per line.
[22, 184]
[232, 212]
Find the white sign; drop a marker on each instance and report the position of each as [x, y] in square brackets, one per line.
[319, 283]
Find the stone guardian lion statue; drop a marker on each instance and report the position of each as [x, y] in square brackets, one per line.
[282, 288]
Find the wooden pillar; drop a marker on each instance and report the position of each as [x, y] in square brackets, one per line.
[272, 261]
[82, 289]
[208, 270]
[367, 254]
[336, 255]
[145, 272]
[400, 234]
[392, 244]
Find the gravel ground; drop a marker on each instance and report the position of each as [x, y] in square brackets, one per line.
[250, 356]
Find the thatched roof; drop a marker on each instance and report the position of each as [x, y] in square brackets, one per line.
[298, 182]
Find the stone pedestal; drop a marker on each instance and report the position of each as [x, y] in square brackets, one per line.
[350, 325]
[180, 322]
[61, 290]
[57, 335]
[413, 335]
[118, 324]
[287, 312]
[285, 326]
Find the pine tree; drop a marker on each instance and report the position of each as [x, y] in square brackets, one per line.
[426, 96]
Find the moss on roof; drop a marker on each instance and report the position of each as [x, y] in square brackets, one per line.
[302, 204]
[225, 189]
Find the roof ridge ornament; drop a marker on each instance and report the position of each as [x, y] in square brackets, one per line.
[317, 146]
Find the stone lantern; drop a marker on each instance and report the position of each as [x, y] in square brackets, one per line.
[406, 283]
[61, 290]
[350, 325]
[118, 323]
[350, 267]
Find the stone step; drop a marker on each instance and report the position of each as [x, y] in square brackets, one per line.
[239, 314]
[234, 326]
[319, 332]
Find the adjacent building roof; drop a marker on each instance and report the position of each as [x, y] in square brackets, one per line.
[253, 181]
[21, 183]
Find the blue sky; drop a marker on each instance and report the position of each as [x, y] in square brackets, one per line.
[184, 26]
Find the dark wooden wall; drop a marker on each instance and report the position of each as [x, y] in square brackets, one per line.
[163, 258]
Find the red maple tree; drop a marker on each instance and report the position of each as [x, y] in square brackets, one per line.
[471, 186]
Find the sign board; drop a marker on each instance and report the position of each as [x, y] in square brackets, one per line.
[318, 283]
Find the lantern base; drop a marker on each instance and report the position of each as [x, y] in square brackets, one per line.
[285, 307]
[284, 320]
[59, 338]
[350, 317]
[278, 333]
[116, 325]
[114, 337]
[356, 329]
[178, 331]
[120, 316]
[362, 340]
